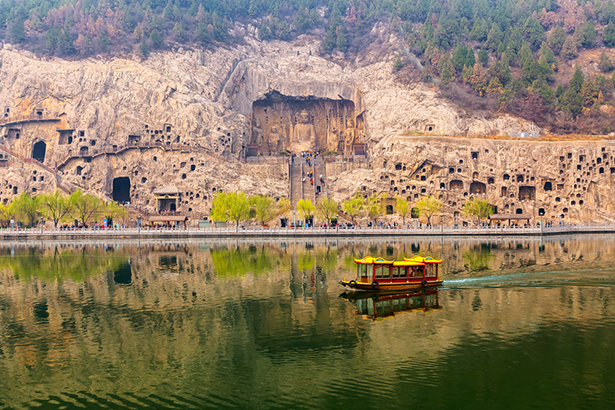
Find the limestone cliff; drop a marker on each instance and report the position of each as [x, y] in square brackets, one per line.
[189, 119]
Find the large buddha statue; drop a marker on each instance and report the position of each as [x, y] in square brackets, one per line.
[304, 134]
[257, 133]
[349, 137]
[275, 141]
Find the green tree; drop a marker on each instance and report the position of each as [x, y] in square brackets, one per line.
[238, 207]
[18, 32]
[103, 40]
[180, 33]
[302, 21]
[589, 35]
[86, 207]
[571, 101]
[329, 42]
[495, 86]
[480, 30]
[305, 208]
[557, 38]
[27, 208]
[144, 47]
[326, 209]
[167, 13]
[373, 205]
[114, 211]
[494, 38]
[545, 92]
[219, 211]
[56, 206]
[205, 38]
[66, 42]
[263, 207]
[479, 80]
[403, 208]
[534, 32]
[341, 43]
[604, 64]
[525, 56]
[7, 212]
[446, 69]
[483, 57]
[428, 207]
[283, 207]
[353, 207]
[52, 37]
[478, 208]
[608, 35]
[459, 57]
[569, 49]
[470, 58]
[546, 55]
[156, 39]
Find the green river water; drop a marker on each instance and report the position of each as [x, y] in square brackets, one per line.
[519, 323]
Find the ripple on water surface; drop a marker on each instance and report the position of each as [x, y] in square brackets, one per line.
[520, 323]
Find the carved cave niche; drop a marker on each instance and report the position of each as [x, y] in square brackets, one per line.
[295, 124]
[456, 184]
[527, 193]
[477, 188]
[66, 137]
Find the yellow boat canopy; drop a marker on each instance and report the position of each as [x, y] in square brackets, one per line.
[369, 260]
[407, 263]
[421, 259]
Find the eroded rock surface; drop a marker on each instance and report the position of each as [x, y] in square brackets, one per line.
[190, 120]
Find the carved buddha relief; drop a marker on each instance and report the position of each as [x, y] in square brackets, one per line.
[303, 124]
[349, 137]
[304, 134]
[275, 141]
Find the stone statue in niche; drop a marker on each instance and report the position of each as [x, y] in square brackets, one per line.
[275, 141]
[304, 134]
[257, 133]
[349, 137]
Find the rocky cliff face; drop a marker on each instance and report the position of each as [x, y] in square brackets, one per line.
[549, 181]
[186, 119]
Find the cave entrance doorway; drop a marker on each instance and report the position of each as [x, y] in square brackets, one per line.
[167, 198]
[121, 189]
[38, 151]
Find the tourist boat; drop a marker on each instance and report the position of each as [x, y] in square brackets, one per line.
[377, 306]
[377, 274]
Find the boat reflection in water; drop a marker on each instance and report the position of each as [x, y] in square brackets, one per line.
[378, 306]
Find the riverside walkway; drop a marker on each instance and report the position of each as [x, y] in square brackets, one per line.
[194, 232]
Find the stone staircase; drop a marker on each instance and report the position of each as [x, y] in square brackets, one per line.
[320, 169]
[58, 178]
[296, 184]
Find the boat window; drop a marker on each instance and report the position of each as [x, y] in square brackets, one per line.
[399, 272]
[417, 272]
[362, 271]
[382, 271]
[430, 270]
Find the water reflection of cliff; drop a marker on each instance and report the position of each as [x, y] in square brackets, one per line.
[59, 262]
[221, 317]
